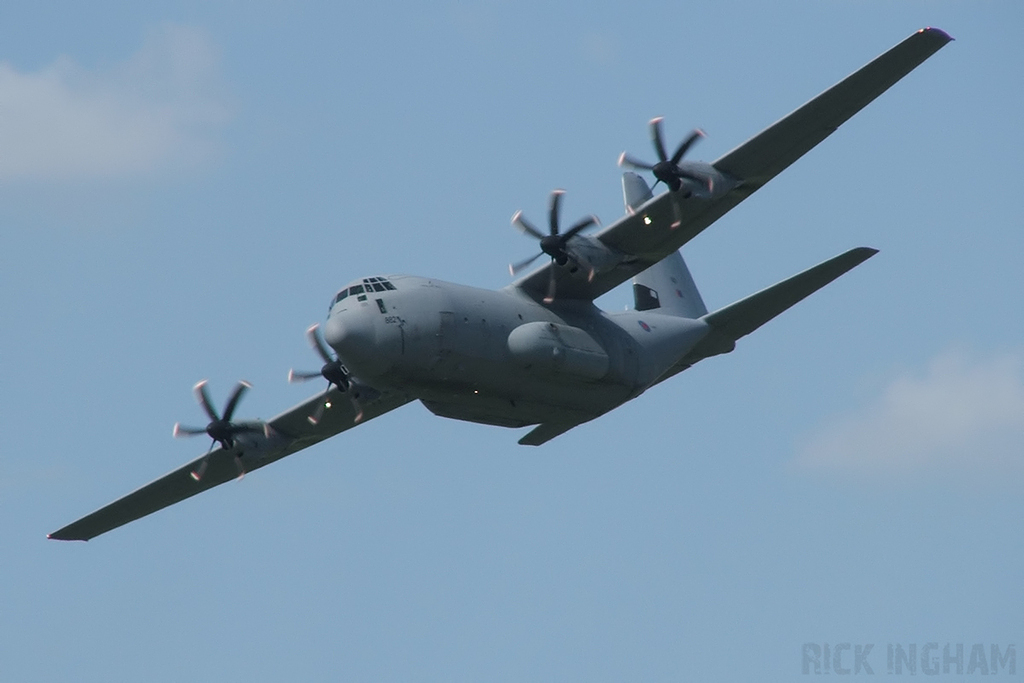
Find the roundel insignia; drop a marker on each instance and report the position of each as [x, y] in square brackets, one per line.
[647, 328]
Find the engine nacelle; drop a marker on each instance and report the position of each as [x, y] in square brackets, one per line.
[550, 348]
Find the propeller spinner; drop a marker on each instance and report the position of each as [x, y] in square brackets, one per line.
[554, 244]
[667, 170]
[333, 371]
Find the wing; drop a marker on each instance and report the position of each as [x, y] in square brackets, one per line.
[288, 433]
[668, 221]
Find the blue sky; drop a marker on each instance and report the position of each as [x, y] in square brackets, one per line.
[183, 187]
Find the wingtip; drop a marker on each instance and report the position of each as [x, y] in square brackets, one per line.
[862, 254]
[937, 32]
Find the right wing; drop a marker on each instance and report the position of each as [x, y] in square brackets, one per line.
[667, 222]
[289, 432]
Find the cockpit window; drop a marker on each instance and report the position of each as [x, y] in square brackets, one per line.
[369, 285]
[377, 284]
[339, 296]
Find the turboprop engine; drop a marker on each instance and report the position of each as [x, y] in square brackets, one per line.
[546, 348]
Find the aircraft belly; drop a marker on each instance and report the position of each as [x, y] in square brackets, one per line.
[520, 400]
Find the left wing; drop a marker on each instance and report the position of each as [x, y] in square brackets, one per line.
[288, 433]
[668, 221]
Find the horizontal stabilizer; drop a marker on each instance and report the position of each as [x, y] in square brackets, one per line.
[743, 317]
[546, 431]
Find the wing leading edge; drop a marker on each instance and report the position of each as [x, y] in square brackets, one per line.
[289, 432]
[647, 235]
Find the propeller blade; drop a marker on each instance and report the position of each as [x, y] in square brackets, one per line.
[514, 268]
[659, 146]
[198, 472]
[676, 212]
[551, 284]
[359, 409]
[313, 334]
[632, 162]
[180, 431]
[697, 134]
[294, 376]
[314, 419]
[587, 266]
[579, 225]
[236, 395]
[526, 226]
[204, 400]
[556, 200]
[697, 178]
[241, 468]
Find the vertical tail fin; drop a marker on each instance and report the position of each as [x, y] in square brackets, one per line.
[667, 285]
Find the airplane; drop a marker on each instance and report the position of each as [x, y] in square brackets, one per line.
[537, 353]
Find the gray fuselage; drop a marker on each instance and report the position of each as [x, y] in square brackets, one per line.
[500, 357]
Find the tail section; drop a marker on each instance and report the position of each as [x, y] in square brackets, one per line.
[739, 319]
[746, 315]
[667, 285]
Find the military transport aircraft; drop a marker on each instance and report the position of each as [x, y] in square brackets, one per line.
[537, 353]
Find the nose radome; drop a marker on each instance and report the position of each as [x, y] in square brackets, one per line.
[353, 335]
[334, 331]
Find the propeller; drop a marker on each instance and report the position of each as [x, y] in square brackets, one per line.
[333, 371]
[220, 429]
[667, 170]
[554, 244]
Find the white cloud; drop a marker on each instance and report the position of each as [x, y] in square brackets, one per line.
[160, 109]
[963, 418]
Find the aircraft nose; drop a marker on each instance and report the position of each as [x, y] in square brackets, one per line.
[347, 335]
[354, 337]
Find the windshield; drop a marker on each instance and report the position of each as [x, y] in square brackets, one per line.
[367, 285]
